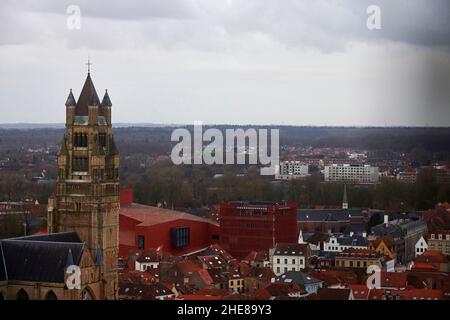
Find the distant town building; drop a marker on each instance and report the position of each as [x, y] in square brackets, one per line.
[351, 173]
[256, 225]
[340, 242]
[440, 241]
[292, 170]
[407, 176]
[386, 246]
[147, 260]
[288, 257]
[404, 231]
[358, 258]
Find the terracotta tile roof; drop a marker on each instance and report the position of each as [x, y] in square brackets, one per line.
[277, 290]
[216, 249]
[332, 294]
[423, 266]
[336, 277]
[256, 256]
[358, 253]
[393, 280]
[217, 276]
[187, 267]
[205, 277]
[423, 294]
[359, 291]
[212, 292]
[263, 273]
[149, 216]
[409, 294]
[194, 297]
[432, 257]
[213, 261]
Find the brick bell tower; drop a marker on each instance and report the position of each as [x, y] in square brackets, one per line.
[87, 192]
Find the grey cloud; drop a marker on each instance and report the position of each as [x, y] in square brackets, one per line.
[326, 25]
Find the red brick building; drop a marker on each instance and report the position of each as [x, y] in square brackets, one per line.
[251, 225]
[144, 227]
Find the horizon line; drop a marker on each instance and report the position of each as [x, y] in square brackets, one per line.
[16, 125]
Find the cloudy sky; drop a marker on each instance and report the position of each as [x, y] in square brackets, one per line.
[230, 61]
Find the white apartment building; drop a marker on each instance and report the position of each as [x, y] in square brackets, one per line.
[292, 170]
[288, 257]
[351, 173]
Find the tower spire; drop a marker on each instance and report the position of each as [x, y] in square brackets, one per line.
[89, 63]
[344, 198]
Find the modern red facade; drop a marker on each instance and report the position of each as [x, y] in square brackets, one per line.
[145, 227]
[258, 226]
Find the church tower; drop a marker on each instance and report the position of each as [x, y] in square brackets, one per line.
[87, 191]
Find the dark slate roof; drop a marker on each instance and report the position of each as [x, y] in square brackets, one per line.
[260, 203]
[397, 228]
[39, 258]
[327, 255]
[298, 277]
[304, 215]
[355, 240]
[106, 102]
[71, 100]
[356, 228]
[291, 249]
[88, 96]
[54, 237]
[316, 238]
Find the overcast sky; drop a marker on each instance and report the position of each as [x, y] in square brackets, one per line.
[230, 61]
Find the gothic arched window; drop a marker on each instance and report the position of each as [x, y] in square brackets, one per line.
[51, 296]
[22, 295]
[87, 294]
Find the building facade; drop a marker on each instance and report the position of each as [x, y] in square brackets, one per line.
[439, 241]
[292, 170]
[179, 233]
[286, 257]
[364, 174]
[256, 225]
[358, 258]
